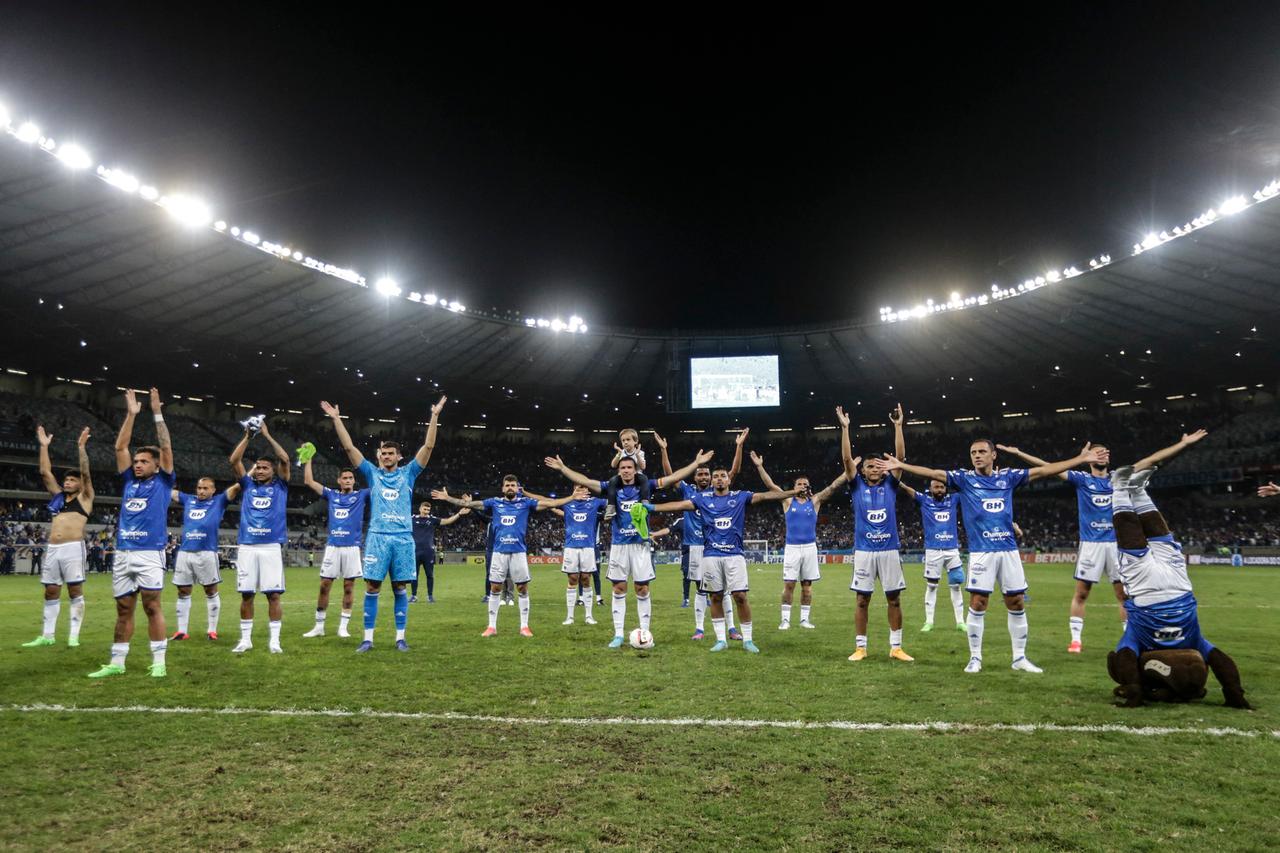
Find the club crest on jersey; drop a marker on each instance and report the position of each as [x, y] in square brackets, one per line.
[507, 520]
[262, 502]
[877, 516]
[1002, 484]
[993, 504]
[390, 494]
[724, 523]
[135, 504]
[579, 517]
[341, 512]
[197, 514]
[733, 502]
[1101, 501]
[942, 517]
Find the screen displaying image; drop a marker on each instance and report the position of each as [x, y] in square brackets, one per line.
[730, 383]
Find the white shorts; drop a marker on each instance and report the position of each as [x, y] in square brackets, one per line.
[937, 562]
[1156, 574]
[259, 568]
[800, 562]
[135, 570]
[989, 569]
[196, 567]
[63, 563]
[341, 561]
[724, 574]
[1094, 558]
[513, 566]
[633, 560]
[579, 561]
[869, 565]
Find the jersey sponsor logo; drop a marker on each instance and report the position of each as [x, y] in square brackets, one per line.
[877, 516]
[1101, 501]
[1101, 525]
[259, 531]
[993, 504]
[392, 516]
[135, 504]
[341, 512]
[941, 536]
[878, 537]
[262, 502]
[508, 540]
[724, 523]
[996, 534]
[626, 506]
[942, 517]
[133, 534]
[579, 517]
[723, 546]
[1168, 634]
[197, 514]
[507, 520]
[390, 494]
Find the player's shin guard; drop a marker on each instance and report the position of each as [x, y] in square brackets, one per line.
[728, 611]
[1224, 669]
[957, 602]
[51, 611]
[977, 624]
[700, 611]
[77, 616]
[1018, 632]
[619, 613]
[370, 613]
[523, 599]
[119, 651]
[401, 611]
[158, 648]
[1076, 625]
[644, 609]
[213, 609]
[183, 609]
[495, 602]
[570, 600]
[930, 599]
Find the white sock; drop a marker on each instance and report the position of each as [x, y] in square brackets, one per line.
[895, 639]
[1018, 632]
[1076, 624]
[246, 630]
[368, 635]
[957, 603]
[718, 626]
[860, 641]
[930, 600]
[273, 632]
[804, 612]
[588, 602]
[495, 600]
[523, 598]
[644, 607]
[213, 609]
[786, 614]
[400, 634]
[570, 600]
[157, 651]
[344, 619]
[728, 611]
[746, 632]
[619, 613]
[700, 611]
[183, 608]
[976, 623]
[51, 611]
[77, 616]
[119, 651]
[320, 617]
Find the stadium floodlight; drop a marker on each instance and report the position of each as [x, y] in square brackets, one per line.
[148, 192]
[188, 210]
[74, 157]
[119, 179]
[557, 325]
[430, 299]
[48, 143]
[530, 322]
[1235, 204]
[456, 307]
[251, 238]
[387, 287]
[220, 225]
[28, 132]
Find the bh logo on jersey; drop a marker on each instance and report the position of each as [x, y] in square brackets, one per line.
[197, 514]
[390, 494]
[507, 520]
[341, 512]
[993, 504]
[626, 506]
[1168, 634]
[724, 523]
[262, 502]
[942, 517]
[877, 516]
[135, 504]
[1101, 501]
[579, 517]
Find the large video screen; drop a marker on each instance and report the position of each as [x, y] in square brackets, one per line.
[731, 383]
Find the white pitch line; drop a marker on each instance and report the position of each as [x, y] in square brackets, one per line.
[689, 722]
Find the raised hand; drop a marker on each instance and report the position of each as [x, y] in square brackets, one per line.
[329, 409]
[1008, 448]
[841, 416]
[895, 417]
[1095, 455]
[155, 401]
[658, 440]
[262, 428]
[84, 437]
[757, 459]
[555, 463]
[439, 494]
[742, 436]
[704, 456]
[131, 402]
[1269, 490]
[43, 437]
[439, 405]
[617, 449]
[887, 463]
[1193, 437]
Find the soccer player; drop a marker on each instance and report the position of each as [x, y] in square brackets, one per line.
[628, 554]
[724, 569]
[141, 533]
[800, 554]
[262, 535]
[581, 520]
[629, 449]
[424, 547]
[197, 561]
[1159, 601]
[389, 545]
[986, 493]
[874, 499]
[64, 557]
[342, 546]
[510, 556]
[1097, 552]
[939, 515]
[693, 541]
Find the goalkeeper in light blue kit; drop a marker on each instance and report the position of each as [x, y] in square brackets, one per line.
[388, 547]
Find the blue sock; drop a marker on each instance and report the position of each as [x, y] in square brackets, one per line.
[370, 610]
[402, 608]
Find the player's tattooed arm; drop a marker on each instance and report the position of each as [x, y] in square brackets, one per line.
[344, 438]
[86, 484]
[822, 496]
[758, 461]
[703, 457]
[1026, 457]
[131, 409]
[551, 503]
[465, 502]
[899, 439]
[282, 456]
[1167, 453]
[46, 465]
[162, 433]
[773, 495]
[237, 455]
[1088, 455]
[308, 480]
[423, 456]
[889, 464]
[846, 447]
[555, 463]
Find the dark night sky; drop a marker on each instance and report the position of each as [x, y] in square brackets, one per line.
[683, 172]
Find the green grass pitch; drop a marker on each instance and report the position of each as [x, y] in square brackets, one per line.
[144, 780]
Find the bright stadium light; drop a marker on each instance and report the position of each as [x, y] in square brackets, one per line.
[430, 299]
[119, 179]
[74, 156]
[28, 132]
[1235, 204]
[189, 211]
[557, 325]
[148, 192]
[387, 287]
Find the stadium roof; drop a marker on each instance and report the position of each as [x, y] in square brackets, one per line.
[99, 285]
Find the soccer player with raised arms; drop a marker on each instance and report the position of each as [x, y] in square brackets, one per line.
[262, 535]
[389, 545]
[581, 522]
[64, 557]
[800, 554]
[342, 547]
[939, 516]
[986, 493]
[197, 561]
[141, 534]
